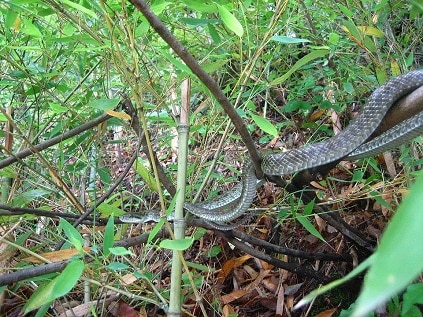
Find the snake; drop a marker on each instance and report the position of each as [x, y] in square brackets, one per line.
[350, 144]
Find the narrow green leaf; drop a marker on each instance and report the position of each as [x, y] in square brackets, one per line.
[398, 259]
[309, 226]
[177, 244]
[265, 125]
[58, 287]
[72, 234]
[155, 231]
[178, 64]
[300, 63]
[358, 270]
[230, 21]
[146, 175]
[109, 234]
[288, 40]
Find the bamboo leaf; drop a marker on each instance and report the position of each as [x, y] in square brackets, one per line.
[230, 21]
[58, 287]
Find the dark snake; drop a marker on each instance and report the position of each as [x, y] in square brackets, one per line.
[349, 144]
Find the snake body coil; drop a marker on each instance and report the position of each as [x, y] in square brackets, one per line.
[348, 144]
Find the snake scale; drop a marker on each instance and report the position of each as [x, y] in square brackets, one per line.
[349, 144]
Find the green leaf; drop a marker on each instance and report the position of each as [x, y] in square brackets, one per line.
[104, 104]
[58, 287]
[7, 172]
[300, 63]
[265, 125]
[413, 295]
[303, 220]
[230, 21]
[155, 230]
[358, 270]
[398, 259]
[29, 196]
[146, 175]
[72, 234]
[177, 244]
[81, 8]
[178, 64]
[30, 29]
[107, 210]
[200, 6]
[109, 235]
[117, 266]
[120, 251]
[288, 40]
[57, 108]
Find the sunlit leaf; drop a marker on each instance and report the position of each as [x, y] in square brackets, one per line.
[288, 40]
[265, 125]
[300, 63]
[72, 234]
[230, 21]
[58, 287]
[109, 234]
[177, 244]
[399, 249]
[104, 104]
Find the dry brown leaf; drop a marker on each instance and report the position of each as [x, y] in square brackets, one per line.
[56, 256]
[228, 310]
[327, 313]
[229, 298]
[230, 265]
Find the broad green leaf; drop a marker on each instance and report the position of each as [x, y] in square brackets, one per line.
[72, 234]
[398, 259]
[413, 295]
[288, 40]
[265, 125]
[120, 251]
[370, 30]
[104, 104]
[177, 244]
[58, 287]
[200, 6]
[230, 21]
[7, 172]
[213, 66]
[214, 34]
[117, 266]
[199, 22]
[109, 235]
[56, 108]
[30, 29]
[28, 196]
[300, 63]
[107, 210]
[81, 8]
